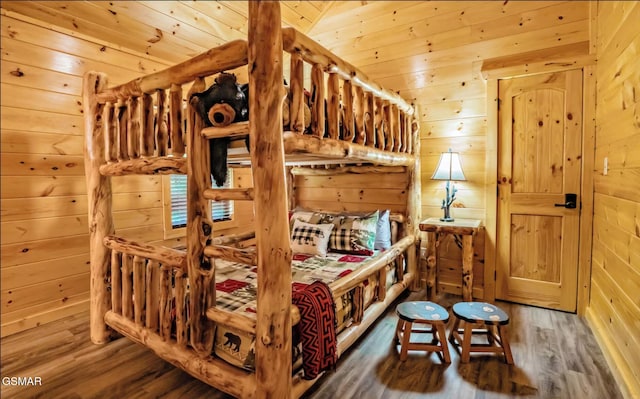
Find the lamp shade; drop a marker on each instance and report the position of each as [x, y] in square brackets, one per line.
[449, 167]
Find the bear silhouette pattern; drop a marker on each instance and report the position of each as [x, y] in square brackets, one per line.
[233, 341]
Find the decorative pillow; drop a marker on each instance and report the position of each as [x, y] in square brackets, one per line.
[354, 234]
[383, 231]
[305, 216]
[310, 238]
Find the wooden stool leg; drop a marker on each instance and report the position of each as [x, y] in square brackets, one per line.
[466, 342]
[442, 336]
[399, 326]
[491, 329]
[502, 332]
[456, 325]
[406, 336]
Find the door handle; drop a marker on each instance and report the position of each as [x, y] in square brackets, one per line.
[570, 201]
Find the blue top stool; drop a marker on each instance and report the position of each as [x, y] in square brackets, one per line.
[480, 318]
[429, 313]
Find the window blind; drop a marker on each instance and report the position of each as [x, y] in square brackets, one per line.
[220, 210]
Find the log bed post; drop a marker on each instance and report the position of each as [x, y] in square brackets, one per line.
[414, 201]
[273, 328]
[99, 202]
[199, 228]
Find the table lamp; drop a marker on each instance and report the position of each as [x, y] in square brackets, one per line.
[448, 169]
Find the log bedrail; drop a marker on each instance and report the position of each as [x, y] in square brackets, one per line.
[366, 113]
[243, 323]
[215, 372]
[147, 282]
[166, 256]
[236, 240]
[237, 129]
[145, 166]
[246, 256]
[221, 194]
[218, 59]
[149, 286]
[142, 130]
[143, 119]
[342, 286]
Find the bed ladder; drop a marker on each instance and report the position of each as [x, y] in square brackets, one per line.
[219, 250]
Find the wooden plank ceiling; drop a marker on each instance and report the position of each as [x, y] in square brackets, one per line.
[170, 30]
[384, 38]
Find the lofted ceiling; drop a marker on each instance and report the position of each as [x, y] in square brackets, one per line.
[430, 52]
[169, 30]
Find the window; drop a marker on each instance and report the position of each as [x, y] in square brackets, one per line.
[175, 206]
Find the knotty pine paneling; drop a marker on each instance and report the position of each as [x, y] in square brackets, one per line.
[352, 192]
[40, 272]
[169, 31]
[33, 317]
[37, 46]
[43, 250]
[24, 142]
[44, 229]
[430, 52]
[39, 78]
[102, 22]
[614, 308]
[40, 121]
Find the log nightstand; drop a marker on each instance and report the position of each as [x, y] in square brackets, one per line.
[436, 230]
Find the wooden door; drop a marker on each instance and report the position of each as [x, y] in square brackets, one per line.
[539, 161]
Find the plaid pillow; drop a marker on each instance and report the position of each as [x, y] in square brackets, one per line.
[310, 238]
[354, 234]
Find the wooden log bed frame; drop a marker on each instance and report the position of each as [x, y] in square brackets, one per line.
[131, 282]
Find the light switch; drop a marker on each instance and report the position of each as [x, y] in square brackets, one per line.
[605, 169]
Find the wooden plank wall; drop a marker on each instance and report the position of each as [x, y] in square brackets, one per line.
[431, 52]
[614, 311]
[44, 233]
[352, 192]
[452, 95]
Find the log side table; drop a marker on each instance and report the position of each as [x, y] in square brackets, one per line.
[436, 231]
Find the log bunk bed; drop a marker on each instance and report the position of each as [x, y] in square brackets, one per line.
[136, 286]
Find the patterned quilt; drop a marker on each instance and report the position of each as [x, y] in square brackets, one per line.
[236, 291]
[236, 283]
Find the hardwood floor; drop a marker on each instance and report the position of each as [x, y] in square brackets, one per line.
[555, 353]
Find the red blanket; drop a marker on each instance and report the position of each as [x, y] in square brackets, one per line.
[317, 328]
